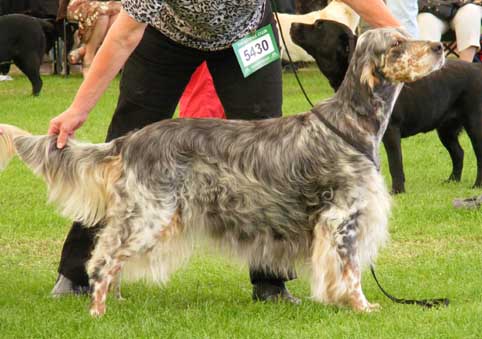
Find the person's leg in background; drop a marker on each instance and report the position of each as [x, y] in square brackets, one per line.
[466, 25]
[95, 19]
[406, 12]
[430, 27]
[93, 41]
[149, 92]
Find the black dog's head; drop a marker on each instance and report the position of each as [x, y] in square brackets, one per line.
[330, 43]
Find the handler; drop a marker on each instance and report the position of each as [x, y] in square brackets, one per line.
[160, 43]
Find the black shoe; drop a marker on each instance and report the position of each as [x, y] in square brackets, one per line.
[64, 286]
[273, 293]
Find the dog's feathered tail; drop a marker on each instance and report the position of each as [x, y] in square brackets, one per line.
[7, 149]
[80, 176]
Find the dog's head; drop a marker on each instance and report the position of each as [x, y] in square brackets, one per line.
[330, 43]
[389, 55]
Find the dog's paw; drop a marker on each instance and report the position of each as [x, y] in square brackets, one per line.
[453, 178]
[97, 311]
[366, 307]
[373, 308]
[120, 297]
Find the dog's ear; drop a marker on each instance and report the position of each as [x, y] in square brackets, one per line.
[319, 24]
[348, 41]
[368, 75]
[368, 72]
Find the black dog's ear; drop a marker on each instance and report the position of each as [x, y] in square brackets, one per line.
[319, 24]
[348, 41]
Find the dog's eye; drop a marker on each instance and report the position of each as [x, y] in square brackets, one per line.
[396, 43]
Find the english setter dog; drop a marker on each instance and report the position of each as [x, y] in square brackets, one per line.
[273, 191]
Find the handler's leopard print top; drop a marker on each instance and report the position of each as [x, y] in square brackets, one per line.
[202, 24]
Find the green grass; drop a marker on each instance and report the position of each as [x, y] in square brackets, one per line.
[435, 251]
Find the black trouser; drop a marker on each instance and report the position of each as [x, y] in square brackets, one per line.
[153, 80]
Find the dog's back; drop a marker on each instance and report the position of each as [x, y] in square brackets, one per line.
[20, 33]
[23, 42]
[452, 93]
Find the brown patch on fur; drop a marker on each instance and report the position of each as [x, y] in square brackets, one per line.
[112, 171]
[174, 229]
[325, 259]
[97, 307]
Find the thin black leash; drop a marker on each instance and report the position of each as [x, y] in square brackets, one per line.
[428, 303]
[346, 138]
[275, 11]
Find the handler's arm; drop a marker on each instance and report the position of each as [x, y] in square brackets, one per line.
[122, 38]
[374, 12]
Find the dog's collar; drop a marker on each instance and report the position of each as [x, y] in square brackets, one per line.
[346, 138]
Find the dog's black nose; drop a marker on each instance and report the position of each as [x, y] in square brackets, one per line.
[437, 47]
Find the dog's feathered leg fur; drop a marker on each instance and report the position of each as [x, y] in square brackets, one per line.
[113, 249]
[346, 240]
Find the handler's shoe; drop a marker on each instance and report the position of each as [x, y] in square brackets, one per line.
[473, 202]
[64, 286]
[5, 77]
[273, 293]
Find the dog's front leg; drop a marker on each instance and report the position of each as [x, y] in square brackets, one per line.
[336, 266]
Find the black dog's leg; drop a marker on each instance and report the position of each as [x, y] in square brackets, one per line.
[393, 147]
[30, 66]
[474, 131]
[448, 134]
[4, 68]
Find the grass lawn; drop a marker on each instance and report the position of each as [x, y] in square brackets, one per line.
[435, 251]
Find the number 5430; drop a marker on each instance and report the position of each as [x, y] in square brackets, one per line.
[256, 49]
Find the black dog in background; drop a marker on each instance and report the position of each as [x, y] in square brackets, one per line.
[447, 100]
[23, 42]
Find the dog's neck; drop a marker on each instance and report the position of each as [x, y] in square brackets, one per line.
[362, 112]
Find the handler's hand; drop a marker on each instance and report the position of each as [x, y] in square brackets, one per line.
[65, 125]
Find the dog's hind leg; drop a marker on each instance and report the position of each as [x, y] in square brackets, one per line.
[474, 131]
[105, 265]
[31, 68]
[448, 134]
[125, 236]
[336, 265]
